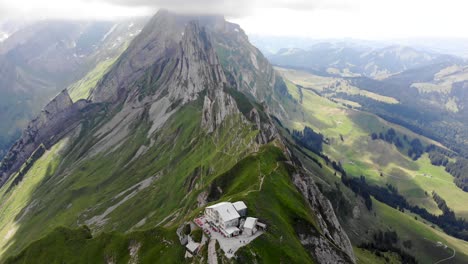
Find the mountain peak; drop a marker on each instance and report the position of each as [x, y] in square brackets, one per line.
[160, 40]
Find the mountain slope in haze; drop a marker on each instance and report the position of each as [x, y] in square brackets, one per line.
[39, 60]
[171, 127]
[350, 60]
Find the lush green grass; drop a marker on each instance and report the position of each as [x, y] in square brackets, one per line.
[423, 236]
[16, 204]
[65, 245]
[379, 161]
[83, 88]
[383, 217]
[159, 188]
[90, 185]
[330, 86]
[364, 256]
[277, 203]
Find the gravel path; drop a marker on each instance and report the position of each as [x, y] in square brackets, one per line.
[212, 258]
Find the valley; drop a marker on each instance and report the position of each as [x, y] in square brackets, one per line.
[346, 153]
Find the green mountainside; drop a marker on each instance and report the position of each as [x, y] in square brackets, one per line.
[153, 144]
[191, 114]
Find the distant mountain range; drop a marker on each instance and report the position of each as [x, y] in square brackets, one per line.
[351, 60]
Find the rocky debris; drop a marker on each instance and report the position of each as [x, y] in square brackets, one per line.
[356, 212]
[327, 220]
[133, 249]
[59, 117]
[323, 250]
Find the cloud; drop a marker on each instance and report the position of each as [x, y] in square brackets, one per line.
[67, 9]
[313, 18]
[106, 9]
[233, 8]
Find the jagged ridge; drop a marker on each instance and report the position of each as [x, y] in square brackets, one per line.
[149, 101]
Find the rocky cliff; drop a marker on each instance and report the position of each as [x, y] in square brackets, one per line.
[55, 120]
[177, 63]
[324, 247]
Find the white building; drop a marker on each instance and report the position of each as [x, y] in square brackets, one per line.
[192, 247]
[225, 216]
[250, 226]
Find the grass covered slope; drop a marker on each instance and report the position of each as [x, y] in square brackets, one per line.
[361, 223]
[349, 136]
[347, 140]
[146, 181]
[65, 245]
[99, 189]
[261, 179]
[83, 88]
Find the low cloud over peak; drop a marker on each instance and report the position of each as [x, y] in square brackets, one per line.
[368, 19]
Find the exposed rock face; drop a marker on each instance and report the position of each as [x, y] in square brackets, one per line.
[157, 40]
[167, 42]
[328, 223]
[267, 129]
[198, 67]
[176, 73]
[216, 108]
[59, 117]
[171, 63]
[323, 250]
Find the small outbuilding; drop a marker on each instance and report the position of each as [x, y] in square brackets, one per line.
[250, 226]
[192, 247]
[231, 231]
[241, 208]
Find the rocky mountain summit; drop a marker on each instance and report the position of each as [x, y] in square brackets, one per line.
[184, 115]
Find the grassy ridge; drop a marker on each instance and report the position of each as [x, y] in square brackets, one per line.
[65, 245]
[262, 180]
[114, 192]
[108, 186]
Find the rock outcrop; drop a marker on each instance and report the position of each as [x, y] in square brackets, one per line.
[266, 128]
[56, 119]
[331, 228]
[216, 108]
[171, 63]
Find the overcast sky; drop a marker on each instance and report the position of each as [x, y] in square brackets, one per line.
[365, 19]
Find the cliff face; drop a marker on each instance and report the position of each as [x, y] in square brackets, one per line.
[55, 120]
[322, 248]
[178, 60]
